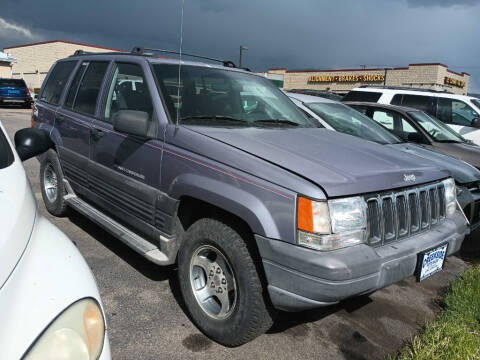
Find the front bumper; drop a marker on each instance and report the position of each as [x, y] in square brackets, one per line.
[11, 100]
[300, 278]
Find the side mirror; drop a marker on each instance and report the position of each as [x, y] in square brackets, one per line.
[131, 122]
[30, 142]
[476, 122]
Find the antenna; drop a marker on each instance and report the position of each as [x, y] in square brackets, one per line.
[180, 64]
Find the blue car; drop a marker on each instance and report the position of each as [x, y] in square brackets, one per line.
[15, 92]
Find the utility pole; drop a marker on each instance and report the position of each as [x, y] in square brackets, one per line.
[242, 48]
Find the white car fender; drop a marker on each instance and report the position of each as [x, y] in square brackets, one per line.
[49, 277]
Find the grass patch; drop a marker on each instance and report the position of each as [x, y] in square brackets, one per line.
[456, 332]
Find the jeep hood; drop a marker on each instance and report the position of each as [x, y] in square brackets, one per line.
[17, 216]
[340, 164]
[461, 171]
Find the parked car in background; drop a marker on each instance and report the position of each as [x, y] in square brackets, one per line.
[460, 112]
[15, 92]
[51, 305]
[215, 169]
[417, 126]
[342, 118]
[321, 93]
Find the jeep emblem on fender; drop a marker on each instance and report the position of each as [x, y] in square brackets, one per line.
[409, 177]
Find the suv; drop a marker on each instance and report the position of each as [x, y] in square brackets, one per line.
[15, 92]
[215, 169]
[460, 112]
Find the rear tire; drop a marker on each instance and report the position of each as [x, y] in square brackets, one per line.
[215, 264]
[51, 183]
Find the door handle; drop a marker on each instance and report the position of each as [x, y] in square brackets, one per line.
[96, 133]
[59, 119]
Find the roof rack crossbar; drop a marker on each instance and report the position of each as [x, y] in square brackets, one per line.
[138, 50]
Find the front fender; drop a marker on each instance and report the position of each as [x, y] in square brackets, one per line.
[234, 199]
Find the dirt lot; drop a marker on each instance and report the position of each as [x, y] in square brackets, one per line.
[146, 319]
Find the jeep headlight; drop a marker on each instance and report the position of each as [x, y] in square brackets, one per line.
[332, 224]
[450, 197]
[77, 333]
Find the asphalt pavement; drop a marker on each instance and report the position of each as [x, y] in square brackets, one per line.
[146, 319]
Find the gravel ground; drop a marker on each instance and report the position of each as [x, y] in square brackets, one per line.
[146, 319]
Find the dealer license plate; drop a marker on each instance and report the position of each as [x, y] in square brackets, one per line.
[431, 262]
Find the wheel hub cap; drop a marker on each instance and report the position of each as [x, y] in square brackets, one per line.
[213, 282]
[50, 183]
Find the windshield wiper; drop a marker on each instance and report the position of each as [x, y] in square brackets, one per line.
[276, 121]
[213, 118]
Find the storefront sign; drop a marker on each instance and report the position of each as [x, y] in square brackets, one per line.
[454, 82]
[346, 78]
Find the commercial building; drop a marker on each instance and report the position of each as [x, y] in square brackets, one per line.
[434, 76]
[34, 60]
[6, 63]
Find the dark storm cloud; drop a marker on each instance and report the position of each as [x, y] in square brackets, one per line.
[443, 3]
[278, 33]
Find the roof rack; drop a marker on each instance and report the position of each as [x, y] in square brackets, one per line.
[138, 50]
[405, 88]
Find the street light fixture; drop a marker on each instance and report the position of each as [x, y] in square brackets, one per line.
[242, 48]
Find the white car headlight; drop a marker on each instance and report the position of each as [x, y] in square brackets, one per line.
[450, 196]
[331, 225]
[78, 333]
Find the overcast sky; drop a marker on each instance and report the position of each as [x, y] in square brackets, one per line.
[297, 34]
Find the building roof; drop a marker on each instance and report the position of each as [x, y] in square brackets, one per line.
[7, 58]
[372, 69]
[62, 41]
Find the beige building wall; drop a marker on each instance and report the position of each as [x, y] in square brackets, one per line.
[5, 70]
[428, 76]
[34, 60]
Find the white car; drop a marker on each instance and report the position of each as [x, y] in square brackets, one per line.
[460, 112]
[51, 307]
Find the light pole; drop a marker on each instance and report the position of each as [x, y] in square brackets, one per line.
[242, 48]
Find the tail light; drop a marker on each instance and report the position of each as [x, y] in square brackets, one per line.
[28, 92]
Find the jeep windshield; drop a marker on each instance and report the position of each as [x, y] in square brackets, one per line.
[436, 129]
[349, 121]
[225, 98]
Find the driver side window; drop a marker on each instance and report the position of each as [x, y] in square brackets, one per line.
[128, 91]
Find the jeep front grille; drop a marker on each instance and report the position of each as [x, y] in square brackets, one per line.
[393, 216]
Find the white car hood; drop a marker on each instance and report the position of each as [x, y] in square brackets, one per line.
[17, 215]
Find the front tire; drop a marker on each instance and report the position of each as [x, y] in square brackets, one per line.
[51, 182]
[221, 284]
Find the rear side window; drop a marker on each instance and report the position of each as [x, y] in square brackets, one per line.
[12, 82]
[72, 92]
[56, 82]
[425, 103]
[362, 96]
[87, 94]
[397, 99]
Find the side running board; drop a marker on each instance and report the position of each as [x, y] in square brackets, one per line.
[137, 243]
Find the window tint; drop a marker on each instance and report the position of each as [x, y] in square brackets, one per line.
[362, 96]
[6, 155]
[396, 123]
[425, 103]
[397, 99]
[72, 92]
[455, 112]
[56, 82]
[12, 82]
[128, 91]
[87, 95]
